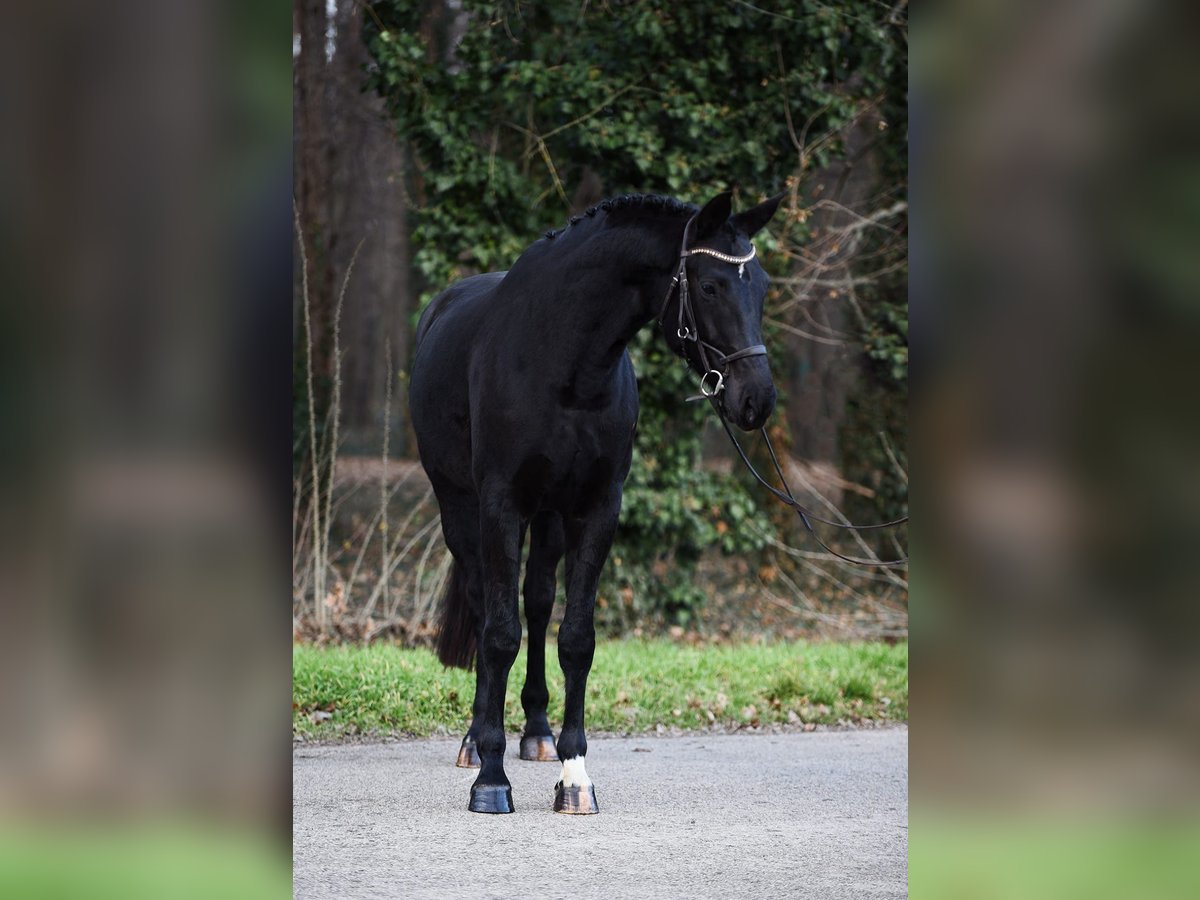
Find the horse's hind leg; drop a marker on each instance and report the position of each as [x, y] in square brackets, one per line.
[464, 601]
[468, 751]
[545, 550]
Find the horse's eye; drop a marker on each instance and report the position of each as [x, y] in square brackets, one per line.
[709, 288]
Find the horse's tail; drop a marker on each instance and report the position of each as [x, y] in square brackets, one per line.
[456, 643]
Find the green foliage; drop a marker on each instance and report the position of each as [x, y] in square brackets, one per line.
[681, 100]
[673, 509]
[634, 686]
[887, 342]
[503, 114]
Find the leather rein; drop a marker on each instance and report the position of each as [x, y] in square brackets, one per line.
[687, 331]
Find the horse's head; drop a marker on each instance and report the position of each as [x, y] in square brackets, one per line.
[715, 320]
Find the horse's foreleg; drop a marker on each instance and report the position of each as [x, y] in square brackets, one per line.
[500, 536]
[545, 550]
[588, 543]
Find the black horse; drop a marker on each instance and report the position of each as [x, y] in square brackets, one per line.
[524, 404]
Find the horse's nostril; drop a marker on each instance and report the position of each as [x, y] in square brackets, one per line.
[748, 410]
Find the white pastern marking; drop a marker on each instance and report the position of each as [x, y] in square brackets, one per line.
[574, 774]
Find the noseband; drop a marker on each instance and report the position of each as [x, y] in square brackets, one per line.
[712, 382]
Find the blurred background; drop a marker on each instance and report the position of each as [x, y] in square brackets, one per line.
[1054, 287]
[436, 139]
[145, 209]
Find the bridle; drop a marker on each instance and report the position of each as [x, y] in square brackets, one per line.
[687, 331]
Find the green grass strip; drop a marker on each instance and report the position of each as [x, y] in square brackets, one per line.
[635, 685]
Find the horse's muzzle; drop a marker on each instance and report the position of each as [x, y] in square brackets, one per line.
[749, 408]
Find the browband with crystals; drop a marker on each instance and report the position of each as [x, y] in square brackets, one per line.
[723, 257]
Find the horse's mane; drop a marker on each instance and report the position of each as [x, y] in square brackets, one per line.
[655, 204]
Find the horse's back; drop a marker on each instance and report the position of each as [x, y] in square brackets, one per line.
[462, 294]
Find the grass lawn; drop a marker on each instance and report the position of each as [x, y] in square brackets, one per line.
[635, 685]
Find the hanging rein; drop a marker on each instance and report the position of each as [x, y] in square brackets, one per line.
[712, 384]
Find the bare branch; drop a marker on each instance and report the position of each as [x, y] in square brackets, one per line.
[318, 567]
[891, 455]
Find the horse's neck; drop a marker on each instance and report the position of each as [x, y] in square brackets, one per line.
[615, 289]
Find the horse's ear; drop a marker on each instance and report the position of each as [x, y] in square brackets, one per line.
[750, 221]
[714, 214]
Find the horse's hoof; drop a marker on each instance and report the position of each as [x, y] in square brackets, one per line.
[539, 748]
[468, 755]
[576, 801]
[491, 798]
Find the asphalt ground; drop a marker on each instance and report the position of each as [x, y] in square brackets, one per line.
[821, 814]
